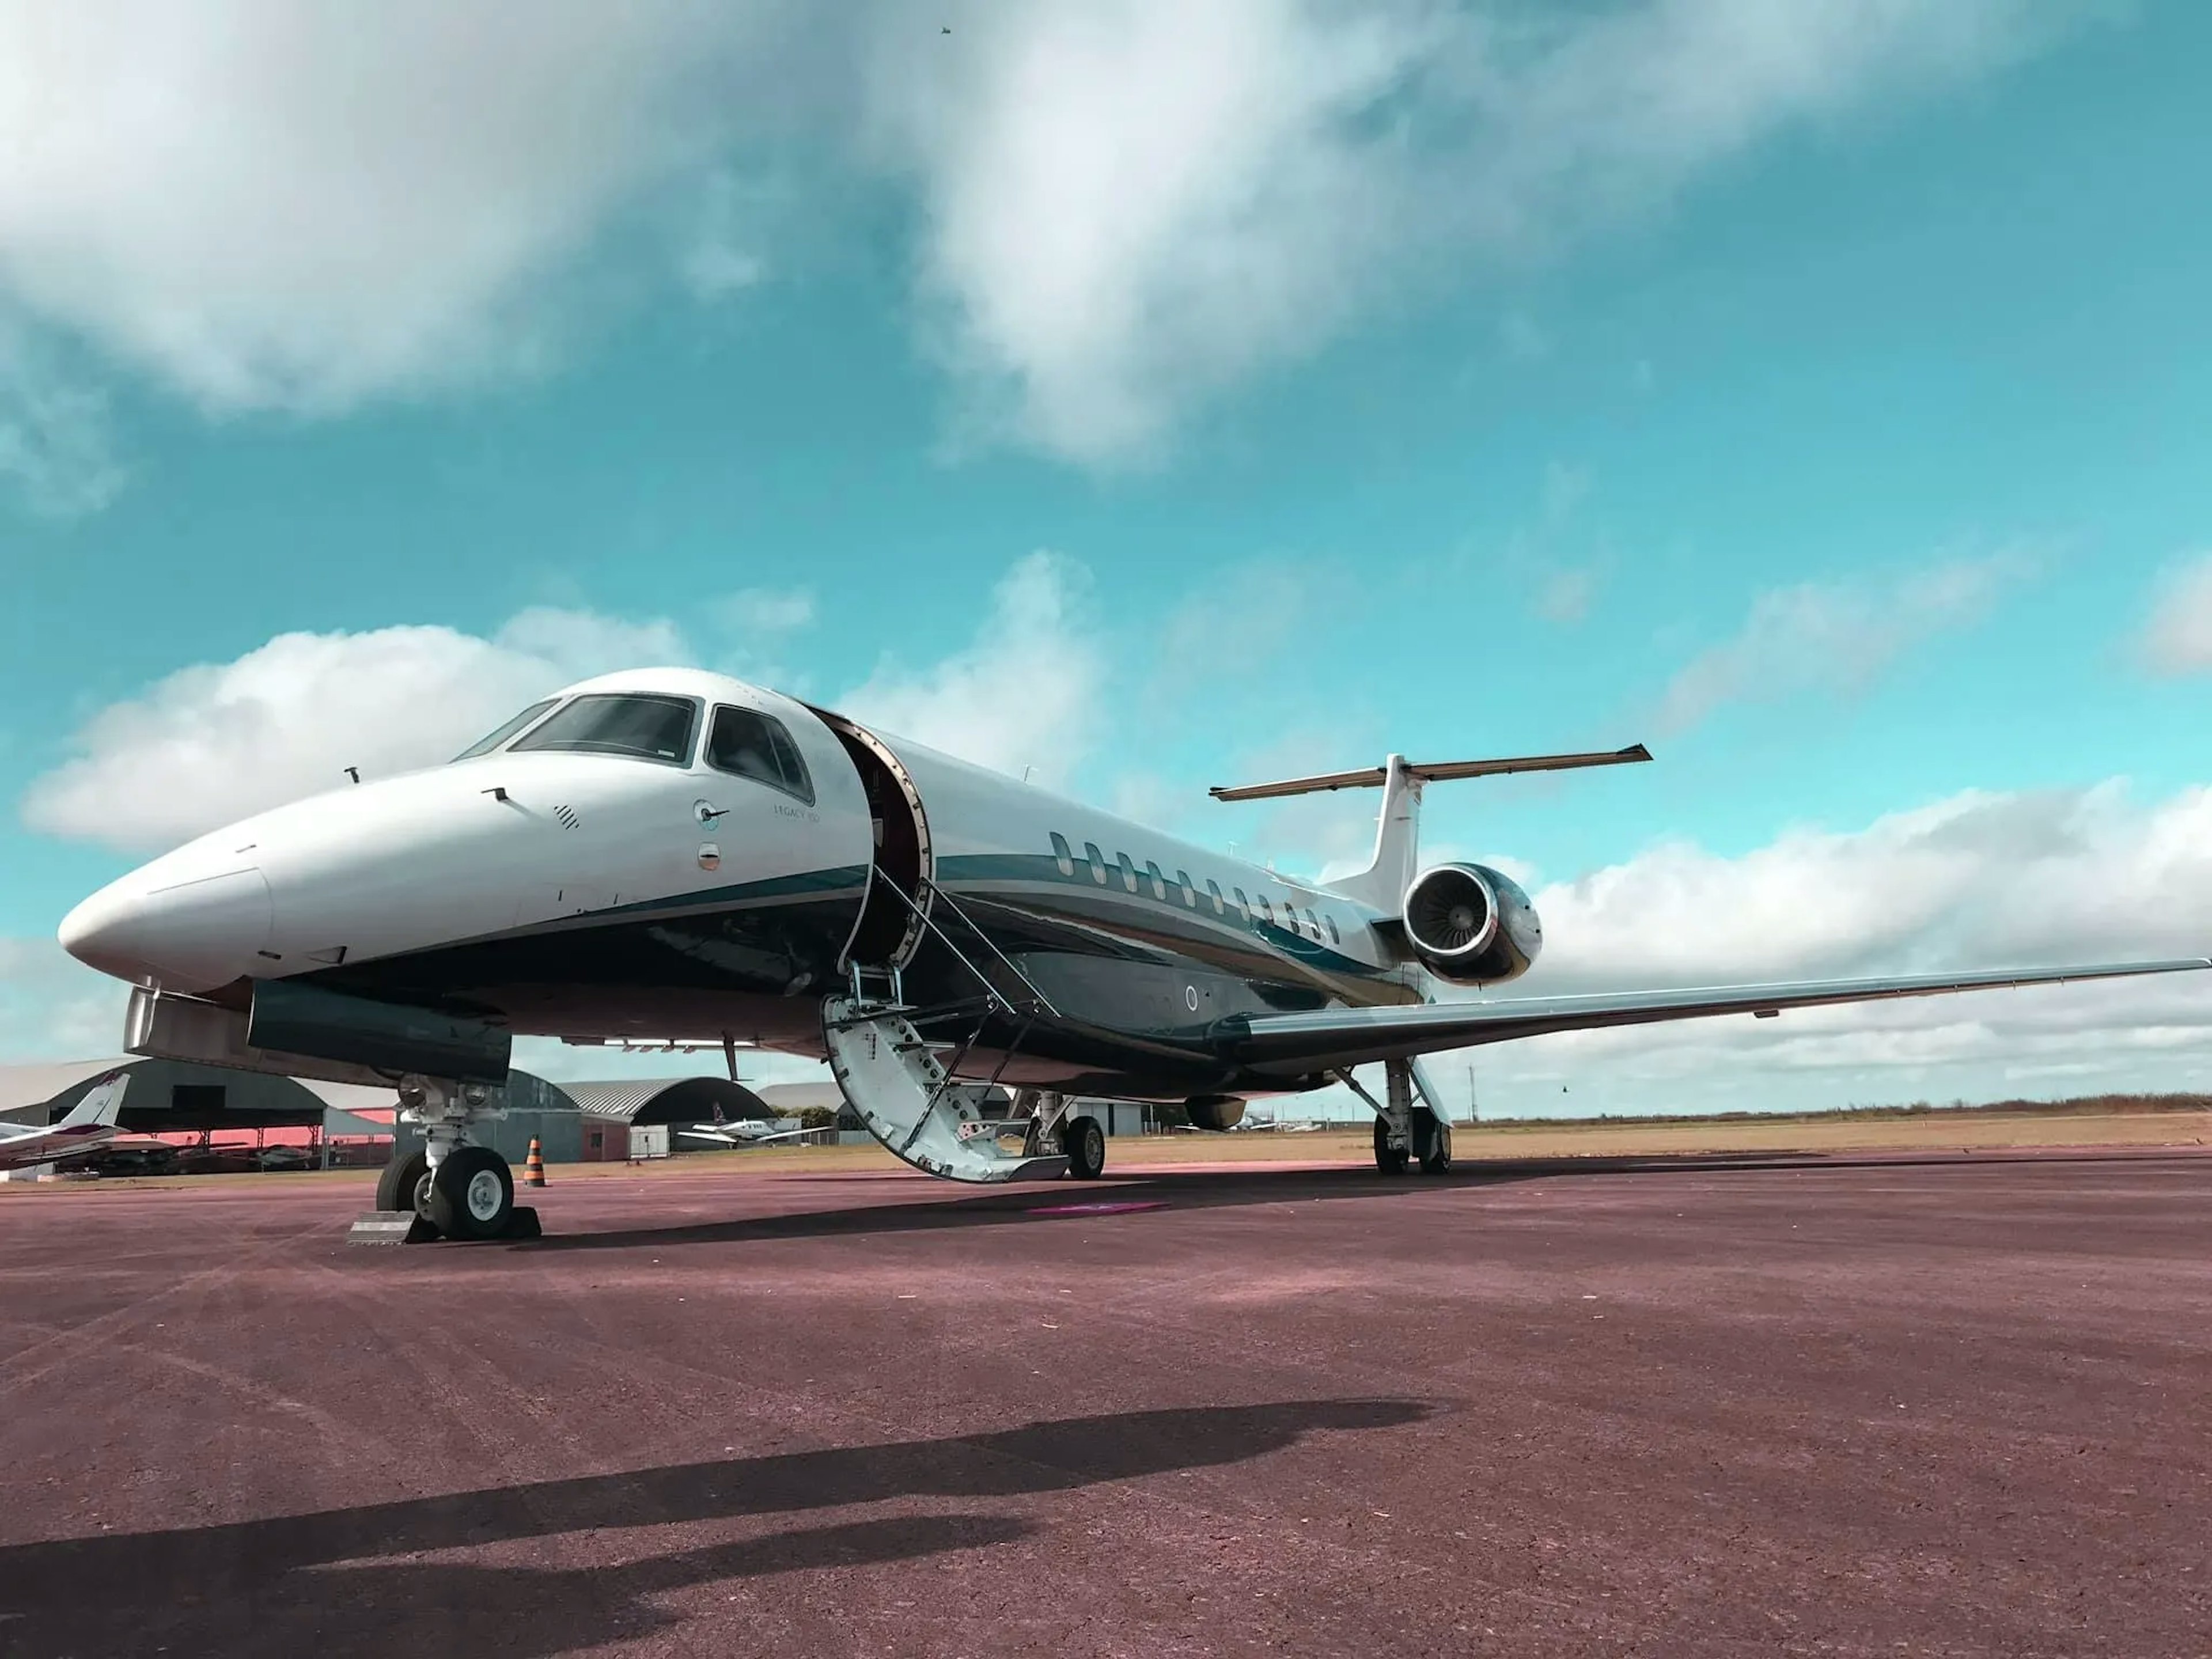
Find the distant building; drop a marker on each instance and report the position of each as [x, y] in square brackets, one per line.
[175, 1096]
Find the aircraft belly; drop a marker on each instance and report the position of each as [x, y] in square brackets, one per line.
[651, 967]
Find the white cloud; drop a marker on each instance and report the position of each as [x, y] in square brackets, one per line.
[1833, 637]
[1127, 202]
[2179, 638]
[1125, 206]
[266, 204]
[53, 1007]
[1028, 692]
[1566, 596]
[721, 257]
[212, 743]
[55, 441]
[1988, 881]
[754, 612]
[1131, 205]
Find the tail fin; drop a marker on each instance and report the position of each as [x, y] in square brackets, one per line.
[1382, 886]
[100, 1103]
[1397, 831]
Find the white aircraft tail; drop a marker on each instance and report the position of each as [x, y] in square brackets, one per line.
[1397, 829]
[100, 1104]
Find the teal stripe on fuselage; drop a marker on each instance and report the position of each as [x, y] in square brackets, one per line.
[976, 871]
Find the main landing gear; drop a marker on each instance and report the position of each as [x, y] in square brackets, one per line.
[452, 1188]
[1053, 1128]
[1406, 1133]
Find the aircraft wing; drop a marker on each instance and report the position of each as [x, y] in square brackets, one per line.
[1330, 1038]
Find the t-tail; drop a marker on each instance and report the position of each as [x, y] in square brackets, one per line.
[1382, 886]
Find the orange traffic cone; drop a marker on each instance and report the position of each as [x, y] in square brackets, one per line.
[534, 1167]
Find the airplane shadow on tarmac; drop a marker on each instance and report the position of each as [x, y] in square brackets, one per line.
[1203, 1190]
[326, 1582]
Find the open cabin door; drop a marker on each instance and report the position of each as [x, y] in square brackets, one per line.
[890, 925]
[888, 1071]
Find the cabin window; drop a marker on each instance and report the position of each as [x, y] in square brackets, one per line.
[1333, 937]
[1189, 892]
[485, 745]
[1213, 893]
[1097, 861]
[1313, 924]
[1159, 881]
[1128, 871]
[1267, 911]
[747, 743]
[641, 727]
[1063, 855]
[1243, 905]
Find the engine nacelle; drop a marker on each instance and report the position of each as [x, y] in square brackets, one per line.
[1217, 1113]
[1471, 925]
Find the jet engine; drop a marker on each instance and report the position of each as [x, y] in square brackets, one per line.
[1471, 925]
[1217, 1113]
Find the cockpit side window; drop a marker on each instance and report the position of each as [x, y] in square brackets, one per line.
[639, 726]
[748, 743]
[485, 745]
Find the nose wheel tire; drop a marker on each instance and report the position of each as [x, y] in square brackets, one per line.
[1388, 1160]
[399, 1188]
[1085, 1143]
[472, 1194]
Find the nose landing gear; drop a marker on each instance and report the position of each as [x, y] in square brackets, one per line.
[452, 1188]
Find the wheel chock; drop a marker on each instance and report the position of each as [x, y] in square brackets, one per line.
[392, 1227]
[399, 1227]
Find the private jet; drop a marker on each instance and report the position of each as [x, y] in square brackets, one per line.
[89, 1123]
[673, 856]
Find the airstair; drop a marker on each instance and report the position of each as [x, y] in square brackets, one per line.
[904, 1091]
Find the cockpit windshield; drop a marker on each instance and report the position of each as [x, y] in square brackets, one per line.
[646, 727]
[485, 745]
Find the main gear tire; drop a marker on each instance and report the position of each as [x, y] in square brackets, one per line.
[1390, 1160]
[1085, 1143]
[1431, 1142]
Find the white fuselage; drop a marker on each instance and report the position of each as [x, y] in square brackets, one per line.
[596, 895]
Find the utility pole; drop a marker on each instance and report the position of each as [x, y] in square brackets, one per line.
[1473, 1107]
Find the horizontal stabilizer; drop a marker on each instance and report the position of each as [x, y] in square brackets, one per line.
[1373, 777]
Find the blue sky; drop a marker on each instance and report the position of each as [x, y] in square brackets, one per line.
[1158, 401]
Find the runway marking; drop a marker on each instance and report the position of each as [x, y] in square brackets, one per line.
[1107, 1208]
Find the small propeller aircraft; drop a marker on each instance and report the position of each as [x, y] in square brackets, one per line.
[89, 1123]
[740, 1130]
[668, 853]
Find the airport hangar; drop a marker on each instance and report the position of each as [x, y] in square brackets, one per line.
[573, 1123]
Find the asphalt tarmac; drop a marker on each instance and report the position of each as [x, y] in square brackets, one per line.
[1827, 1406]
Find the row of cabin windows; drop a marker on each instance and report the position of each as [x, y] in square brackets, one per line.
[1246, 909]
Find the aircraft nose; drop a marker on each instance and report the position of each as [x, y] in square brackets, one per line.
[190, 934]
